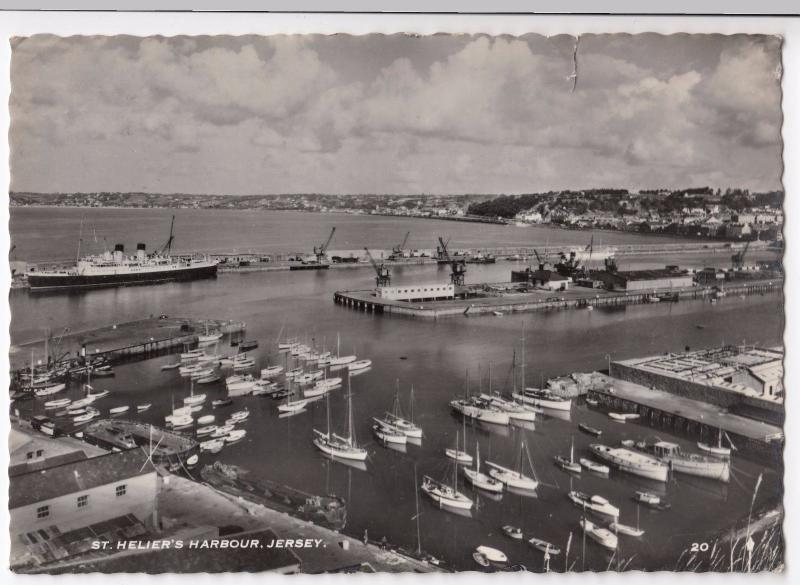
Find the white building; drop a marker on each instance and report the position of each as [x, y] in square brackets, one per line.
[417, 292]
[47, 502]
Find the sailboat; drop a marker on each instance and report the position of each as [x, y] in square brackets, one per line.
[458, 455]
[335, 445]
[539, 397]
[446, 495]
[481, 480]
[292, 405]
[627, 530]
[718, 450]
[514, 478]
[397, 421]
[340, 360]
[193, 398]
[518, 411]
[569, 464]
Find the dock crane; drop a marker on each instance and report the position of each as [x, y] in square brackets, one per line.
[320, 251]
[383, 276]
[459, 267]
[398, 250]
[737, 260]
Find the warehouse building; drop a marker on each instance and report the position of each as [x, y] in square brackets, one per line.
[643, 280]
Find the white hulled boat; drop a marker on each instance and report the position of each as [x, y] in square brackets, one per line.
[481, 480]
[514, 478]
[688, 463]
[600, 535]
[344, 447]
[632, 462]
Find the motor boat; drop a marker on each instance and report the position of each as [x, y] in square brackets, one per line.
[602, 536]
[597, 504]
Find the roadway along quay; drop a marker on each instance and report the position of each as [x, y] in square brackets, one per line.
[507, 297]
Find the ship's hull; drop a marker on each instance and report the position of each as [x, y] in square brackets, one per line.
[71, 281]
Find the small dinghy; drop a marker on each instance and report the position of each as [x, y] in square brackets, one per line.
[171, 366]
[143, 407]
[513, 532]
[240, 415]
[590, 430]
[119, 410]
[592, 402]
[236, 435]
[567, 465]
[222, 432]
[651, 501]
[359, 365]
[203, 431]
[206, 420]
[544, 546]
[617, 417]
[221, 402]
[492, 555]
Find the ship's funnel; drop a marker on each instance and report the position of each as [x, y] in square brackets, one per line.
[119, 251]
[140, 251]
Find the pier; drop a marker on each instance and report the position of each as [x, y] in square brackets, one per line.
[118, 341]
[694, 418]
[508, 298]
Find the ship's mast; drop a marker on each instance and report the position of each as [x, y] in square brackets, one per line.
[167, 249]
[80, 241]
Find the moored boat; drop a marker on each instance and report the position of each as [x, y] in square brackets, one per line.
[590, 430]
[544, 546]
[595, 503]
[632, 462]
[119, 410]
[512, 532]
[445, 495]
[481, 480]
[602, 536]
[594, 466]
[688, 463]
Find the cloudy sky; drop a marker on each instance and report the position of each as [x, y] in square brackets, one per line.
[396, 114]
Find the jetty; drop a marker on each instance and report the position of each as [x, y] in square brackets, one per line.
[118, 341]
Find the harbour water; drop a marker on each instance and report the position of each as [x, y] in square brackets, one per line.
[433, 357]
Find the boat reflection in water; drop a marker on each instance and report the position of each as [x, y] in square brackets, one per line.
[352, 463]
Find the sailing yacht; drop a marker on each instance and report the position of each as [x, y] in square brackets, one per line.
[397, 421]
[335, 445]
[193, 398]
[481, 480]
[341, 360]
[458, 455]
[446, 495]
[292, 405]
[514, 478]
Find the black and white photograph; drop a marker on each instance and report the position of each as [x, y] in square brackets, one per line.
[392, 303]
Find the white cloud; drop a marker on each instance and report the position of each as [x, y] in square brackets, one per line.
[485, 115]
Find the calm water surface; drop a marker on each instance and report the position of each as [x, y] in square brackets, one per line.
[434, 357]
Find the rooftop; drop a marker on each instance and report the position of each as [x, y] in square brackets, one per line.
[76, 476]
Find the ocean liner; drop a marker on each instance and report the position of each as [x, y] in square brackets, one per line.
[117, 269]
